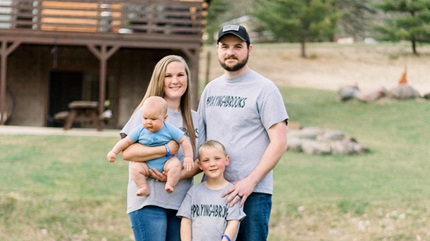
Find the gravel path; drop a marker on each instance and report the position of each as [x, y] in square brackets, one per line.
[29, 130]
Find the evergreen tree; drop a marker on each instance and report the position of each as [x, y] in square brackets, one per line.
[355, 17]
[299, 21]
[408, 20]
[217, 14]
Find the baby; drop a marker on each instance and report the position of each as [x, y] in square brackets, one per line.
[154, 131]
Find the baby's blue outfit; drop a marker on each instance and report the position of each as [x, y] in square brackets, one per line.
[158, 138]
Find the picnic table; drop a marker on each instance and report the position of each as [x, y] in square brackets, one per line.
[83, 112]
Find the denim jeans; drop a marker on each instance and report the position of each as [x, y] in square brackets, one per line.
[153, 223]
[255, 226]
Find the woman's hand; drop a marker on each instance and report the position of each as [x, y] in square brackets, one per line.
[139, 153]
[173, 146]
[159, 176]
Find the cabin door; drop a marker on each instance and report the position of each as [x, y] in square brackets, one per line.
[64, 87]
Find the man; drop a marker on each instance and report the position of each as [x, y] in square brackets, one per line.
[245, 111]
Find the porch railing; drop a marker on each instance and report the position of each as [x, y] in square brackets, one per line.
[185, 17]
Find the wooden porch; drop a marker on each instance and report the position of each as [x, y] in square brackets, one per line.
[103, 27]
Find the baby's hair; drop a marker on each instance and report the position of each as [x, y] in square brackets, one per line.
[158, 101]
[213, 144]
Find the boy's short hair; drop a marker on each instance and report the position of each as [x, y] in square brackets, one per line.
[213, 144]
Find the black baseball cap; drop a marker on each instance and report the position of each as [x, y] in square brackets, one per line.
[237, 30]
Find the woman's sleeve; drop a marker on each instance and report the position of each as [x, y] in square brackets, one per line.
[135, 120]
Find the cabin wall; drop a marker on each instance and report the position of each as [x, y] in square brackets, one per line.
[28, 77]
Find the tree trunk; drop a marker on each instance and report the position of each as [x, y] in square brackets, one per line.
[414, 46]
[303, 47]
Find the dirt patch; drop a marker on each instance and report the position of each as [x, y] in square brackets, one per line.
[331, 65]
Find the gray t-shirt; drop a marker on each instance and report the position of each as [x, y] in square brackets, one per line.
[238, 112]
[208, 212]
[159, 197]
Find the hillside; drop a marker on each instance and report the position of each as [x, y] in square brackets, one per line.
[331, 65]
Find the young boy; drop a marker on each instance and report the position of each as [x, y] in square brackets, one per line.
[154, 132]
[205, 216]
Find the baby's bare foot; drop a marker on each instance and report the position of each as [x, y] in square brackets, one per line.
[168, 188]
[144, 191]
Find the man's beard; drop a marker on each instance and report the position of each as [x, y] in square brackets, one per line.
[235, 67]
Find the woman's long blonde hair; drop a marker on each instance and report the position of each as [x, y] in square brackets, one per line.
[156, 88]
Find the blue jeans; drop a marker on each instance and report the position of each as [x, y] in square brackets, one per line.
[255, 226]
[153, 223]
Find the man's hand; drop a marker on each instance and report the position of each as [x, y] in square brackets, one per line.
[239, 192]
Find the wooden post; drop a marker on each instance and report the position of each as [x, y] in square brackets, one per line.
[208, 64]
[5, 51]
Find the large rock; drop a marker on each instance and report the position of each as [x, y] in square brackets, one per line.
[403, 92]
[371, 95]
[347, 147]
[316, 147]
[305, 133]
[294, 144]
[331, 135]
[347, 92]
[317, 141]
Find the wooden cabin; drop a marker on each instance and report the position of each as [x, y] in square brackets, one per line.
[57, 52]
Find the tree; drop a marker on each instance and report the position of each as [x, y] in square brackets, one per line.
[408, 20]
[299, 21]
[217, 13]
[355, 17]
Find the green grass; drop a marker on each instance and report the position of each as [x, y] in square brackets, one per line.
[62, 187]
[337, 188]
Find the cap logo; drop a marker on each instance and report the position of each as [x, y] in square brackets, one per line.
[230, 27]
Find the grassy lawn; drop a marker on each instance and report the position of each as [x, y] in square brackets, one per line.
[62, 187]
[382, 195]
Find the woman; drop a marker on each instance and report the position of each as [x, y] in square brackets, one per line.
[154, 217]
